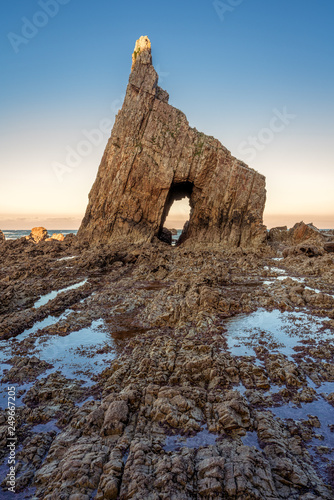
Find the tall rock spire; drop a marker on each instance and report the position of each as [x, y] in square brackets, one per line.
[142, 49]
[152, 158]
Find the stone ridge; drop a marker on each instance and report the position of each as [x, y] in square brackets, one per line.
[154, 157]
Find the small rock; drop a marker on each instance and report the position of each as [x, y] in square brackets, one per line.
[38, 234]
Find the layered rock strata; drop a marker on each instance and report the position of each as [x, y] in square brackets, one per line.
[153, 158]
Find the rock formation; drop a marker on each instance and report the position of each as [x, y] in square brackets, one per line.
[301, 239]
[2, 237]
[56, 236]
[153, 158]
[38, 234]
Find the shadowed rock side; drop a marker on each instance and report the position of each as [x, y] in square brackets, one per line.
[153, 158]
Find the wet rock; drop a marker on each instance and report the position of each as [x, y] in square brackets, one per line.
[329, 246]
[24, 370]
[283, 371]
[31, 457]
[233, 414]
[115, 418]
[55, 388]
[166, 236]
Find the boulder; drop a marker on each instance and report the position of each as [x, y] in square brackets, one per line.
[301, 232]
[278, 234]
[38, 234]
[2, 237]
[153, 158]
[166, 236]
[301, 239]
[115, 418]
[56, 236]
[309, 249]
[329, 246]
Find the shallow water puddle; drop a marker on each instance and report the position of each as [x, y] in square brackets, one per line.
[251, 439]
[321, 448]
[20, 392]
[47, 427]
[280, 331]
[274, 269]
[52, 295]
[5, 494]
[66, 258]
[75, 355]
[319, 408]
[302, 280]
[202, 438]
[48, 321]
[7, 345]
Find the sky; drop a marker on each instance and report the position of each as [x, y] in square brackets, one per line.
[257, 75]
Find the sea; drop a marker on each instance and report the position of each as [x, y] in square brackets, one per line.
[14, 234]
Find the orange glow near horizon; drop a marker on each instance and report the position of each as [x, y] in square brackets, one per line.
[176, 219]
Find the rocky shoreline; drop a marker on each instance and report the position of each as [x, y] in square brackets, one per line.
[162, 372]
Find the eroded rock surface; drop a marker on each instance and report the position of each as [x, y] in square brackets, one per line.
[175, 411]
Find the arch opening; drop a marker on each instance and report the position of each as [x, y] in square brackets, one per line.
[176, 214]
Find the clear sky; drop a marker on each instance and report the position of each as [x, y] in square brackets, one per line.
[256, 74]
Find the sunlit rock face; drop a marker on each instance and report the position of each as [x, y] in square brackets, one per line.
[38, 234]
[153, 158]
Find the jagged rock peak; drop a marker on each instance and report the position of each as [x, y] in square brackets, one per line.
[153, 158]
[142, 48]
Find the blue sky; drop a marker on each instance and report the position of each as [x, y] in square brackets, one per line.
[231, 66]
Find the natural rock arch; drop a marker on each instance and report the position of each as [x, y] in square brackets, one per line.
[177, 191]
[152, 150]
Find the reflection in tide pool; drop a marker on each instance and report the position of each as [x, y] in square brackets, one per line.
[281, 331]
[79, 355]
[75, 355]
[202, 438]
[251, 439]
[52, 295]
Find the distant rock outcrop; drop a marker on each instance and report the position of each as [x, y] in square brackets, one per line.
[153, 158]
[302, 232]
[301, 239]
[56, 236]
[2, 237]
[38, 234]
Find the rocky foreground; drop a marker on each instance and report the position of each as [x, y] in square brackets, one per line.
[147, 376]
